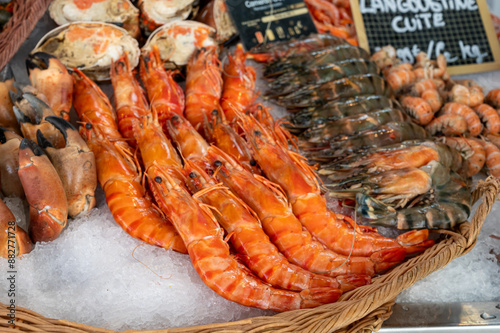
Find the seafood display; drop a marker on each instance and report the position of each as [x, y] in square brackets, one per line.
[202, 168]
[90, 47]
[121, 12]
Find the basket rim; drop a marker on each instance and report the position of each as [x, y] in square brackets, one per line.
[364, 308]
[25, 16]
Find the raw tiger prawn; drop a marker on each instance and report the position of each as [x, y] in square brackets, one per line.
[396, 187]
[308, 204]
[407, 154]
[450, 206]
[353, 124]
[280, 50]
[390, 133]
[355, 85]
[334, 110]
[211, 257]
[290, 81]
[317, 57]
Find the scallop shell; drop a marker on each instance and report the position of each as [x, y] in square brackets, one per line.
[216, 15]
[90, 47]
[178, 40]
[155, 13]
[107, 11]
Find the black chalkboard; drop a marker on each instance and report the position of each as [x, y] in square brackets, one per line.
[268, 21]
[459, 29]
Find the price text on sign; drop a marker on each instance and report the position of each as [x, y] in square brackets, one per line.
[268, 21]
[461, 30]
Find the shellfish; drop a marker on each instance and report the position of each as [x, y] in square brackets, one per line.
[90, 47]
[178, 40]
[121, 12]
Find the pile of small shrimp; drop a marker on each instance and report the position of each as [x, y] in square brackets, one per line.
[333, 17]
[206, 171]
[456, 111]
[372, 149]
[43, 159]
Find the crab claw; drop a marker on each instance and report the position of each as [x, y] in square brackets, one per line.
[10, 231]
[31, 112]
[7, 117]
[75, 164]
[44, 193]
[10, 183]
[6, 74]
[50, 77]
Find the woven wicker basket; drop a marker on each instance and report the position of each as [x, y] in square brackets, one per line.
[26, 15]
[361, 310]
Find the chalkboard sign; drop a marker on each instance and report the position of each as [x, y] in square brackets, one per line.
[461, 30]
[268, 21]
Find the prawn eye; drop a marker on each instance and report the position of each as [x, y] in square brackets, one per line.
[215, 112]
[217, 163]
[253, 162]
[175, 118]
[88, 126]
[258, 133]
[158, 179]
[192, 175]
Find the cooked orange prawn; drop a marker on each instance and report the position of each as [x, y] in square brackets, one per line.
[418, 108]
[400, 78]
[490, 117]
[473, 122]
[130, 102]
[425, 68]
[93, 106]
[385, 57]
[448, 124]
[14, 240]
[309, 205]
[459, 94]
[211, 256]
[472, 151]
[493, 98]
[203, 85]
[165, 95]
[126, 197]
[220, 133]
[420, 86]
[253, 245]
[239, 84]
[190, 143]
[492, 158]
[284, 229]
[433, 98]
